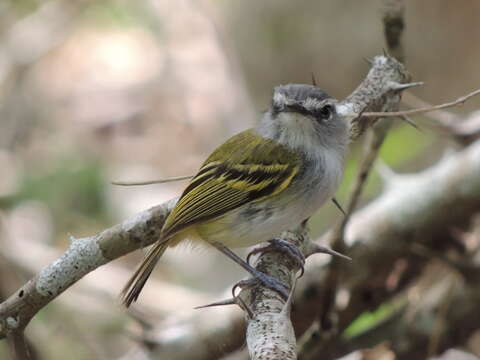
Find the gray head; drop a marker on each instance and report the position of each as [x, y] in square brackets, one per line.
[302, 116]
[303, 99]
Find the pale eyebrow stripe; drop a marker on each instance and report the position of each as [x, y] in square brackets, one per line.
[312, 103]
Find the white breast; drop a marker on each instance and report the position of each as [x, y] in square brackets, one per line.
[322, 180]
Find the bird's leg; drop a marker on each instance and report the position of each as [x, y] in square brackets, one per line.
[285, 247]
[266, 280]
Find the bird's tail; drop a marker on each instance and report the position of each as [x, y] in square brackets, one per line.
[134, 286]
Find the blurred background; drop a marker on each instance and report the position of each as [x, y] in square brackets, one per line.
[116, 90]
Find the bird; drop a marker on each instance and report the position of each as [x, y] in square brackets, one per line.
[260, 182]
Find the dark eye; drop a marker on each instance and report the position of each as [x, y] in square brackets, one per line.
[325, 112]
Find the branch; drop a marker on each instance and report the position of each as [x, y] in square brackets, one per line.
[460, 101]
[104, 286]
[408, 212]
[464, 131]
[381, 89]
[270, 332]
[83, 256]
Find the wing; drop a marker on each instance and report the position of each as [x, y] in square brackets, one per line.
[221, 186]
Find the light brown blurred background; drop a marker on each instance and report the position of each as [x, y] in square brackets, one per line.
[95, 91]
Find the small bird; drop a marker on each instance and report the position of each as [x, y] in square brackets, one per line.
[260, 182]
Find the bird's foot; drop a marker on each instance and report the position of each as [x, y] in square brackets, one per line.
[285, 247]
[267, 281]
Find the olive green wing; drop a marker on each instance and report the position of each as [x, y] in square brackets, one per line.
[242, 176]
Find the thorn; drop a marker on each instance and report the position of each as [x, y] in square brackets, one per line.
[231, 301]
[401, 87]
[409, 121]
[339, 207]
[314, 82]
[327, 250]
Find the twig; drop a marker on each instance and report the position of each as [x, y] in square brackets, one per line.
[442, 117]
[460, 101]
[464, 131]
[159, 181]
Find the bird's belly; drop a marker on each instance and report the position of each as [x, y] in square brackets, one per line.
[256, 223]
[249, 226]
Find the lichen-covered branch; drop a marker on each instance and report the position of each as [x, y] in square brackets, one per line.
[270, 333]
[83, 256]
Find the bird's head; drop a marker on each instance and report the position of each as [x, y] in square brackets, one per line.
[304, 115]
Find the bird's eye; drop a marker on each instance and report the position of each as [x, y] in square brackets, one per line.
[325, 112]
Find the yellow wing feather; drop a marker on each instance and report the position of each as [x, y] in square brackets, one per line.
[242, 177]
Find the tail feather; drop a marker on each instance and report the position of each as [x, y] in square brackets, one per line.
[134, 286]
